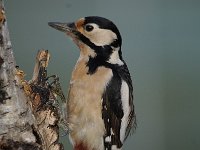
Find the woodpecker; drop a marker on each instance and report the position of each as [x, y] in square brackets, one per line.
[100, 109]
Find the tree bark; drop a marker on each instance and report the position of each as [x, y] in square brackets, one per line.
[28, 115]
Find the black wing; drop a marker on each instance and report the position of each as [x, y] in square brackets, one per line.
[125, 75]
[112, 111]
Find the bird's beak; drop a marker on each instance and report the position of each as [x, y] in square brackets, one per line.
[68, 28]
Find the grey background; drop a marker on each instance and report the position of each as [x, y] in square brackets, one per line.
[161, 45]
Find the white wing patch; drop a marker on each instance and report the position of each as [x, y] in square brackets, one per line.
[108, 139]
[126, 109]
[114, 147]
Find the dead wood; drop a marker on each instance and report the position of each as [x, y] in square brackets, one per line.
[29, 110]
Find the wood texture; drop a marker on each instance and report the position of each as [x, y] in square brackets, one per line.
[29, 110]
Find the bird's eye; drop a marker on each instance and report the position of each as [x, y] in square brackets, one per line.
[89, 28]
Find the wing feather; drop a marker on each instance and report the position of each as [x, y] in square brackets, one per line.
[112, 109]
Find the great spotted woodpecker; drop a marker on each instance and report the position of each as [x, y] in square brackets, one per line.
[100, 109]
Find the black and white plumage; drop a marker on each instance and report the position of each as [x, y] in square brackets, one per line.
[100, 100]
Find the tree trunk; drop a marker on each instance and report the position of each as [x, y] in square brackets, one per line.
[28, 117]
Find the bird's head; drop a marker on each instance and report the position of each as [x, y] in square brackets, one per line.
[98, 35]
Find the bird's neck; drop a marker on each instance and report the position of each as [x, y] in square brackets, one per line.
[106, 56]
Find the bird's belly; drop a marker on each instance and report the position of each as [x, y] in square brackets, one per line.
[85, 121]
[85, 106]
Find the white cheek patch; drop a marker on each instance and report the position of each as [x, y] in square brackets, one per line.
[101, 37]
[126, 109]
[114, 57]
